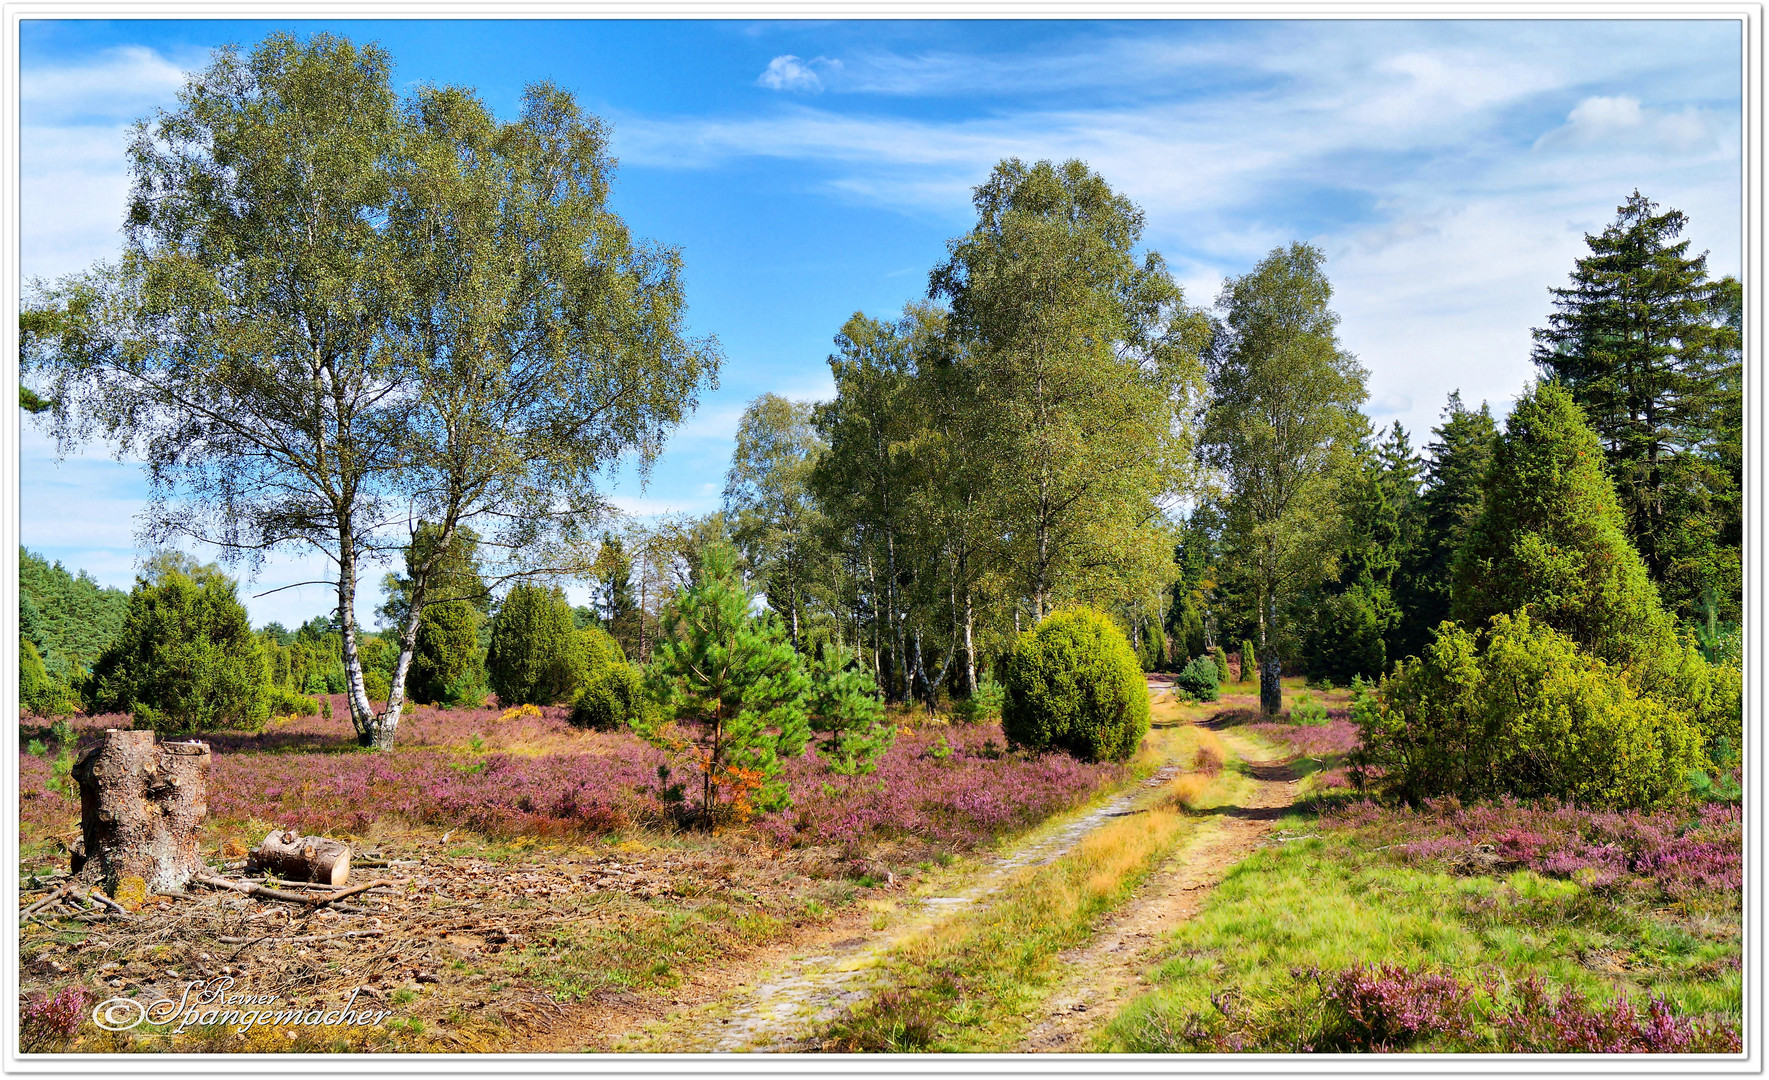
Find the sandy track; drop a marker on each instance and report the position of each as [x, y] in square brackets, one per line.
[1109, 969]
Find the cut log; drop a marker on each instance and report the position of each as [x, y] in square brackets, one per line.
[141, 802]
[294, 857]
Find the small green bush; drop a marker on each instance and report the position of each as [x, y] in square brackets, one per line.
[1197, 680]
[1221, 660]
[446, 665]
[1522, 710]
[186, 658]
[1249, 663]
[612, 697]
[986, 702]
[39, 693]
[288, 703]
[377, 685]
[1308, 711]
[845, 708]
[1074, 684]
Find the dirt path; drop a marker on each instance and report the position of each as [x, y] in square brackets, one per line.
[796, 999]
[1109, 969]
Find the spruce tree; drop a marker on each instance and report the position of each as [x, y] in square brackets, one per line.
[847, 711]
[1459, 459]
[1629, 339]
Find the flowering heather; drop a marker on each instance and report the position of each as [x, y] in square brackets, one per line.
[1391, 1008]
[306, 774]
[1335, 738]
[1679, 853]
[1569, 1025]
[46, 1024]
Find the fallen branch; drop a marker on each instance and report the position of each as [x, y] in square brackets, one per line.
[305, 937]
[296, 898]
[47, 900]
[109, 903]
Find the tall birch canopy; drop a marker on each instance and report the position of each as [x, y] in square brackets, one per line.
[1086, 363]
[1283, 416]
[340, 315]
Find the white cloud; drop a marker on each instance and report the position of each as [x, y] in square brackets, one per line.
[122, 82]
[1621, 123]
[790, 73]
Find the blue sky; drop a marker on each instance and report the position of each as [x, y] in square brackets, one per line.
[1448, 169]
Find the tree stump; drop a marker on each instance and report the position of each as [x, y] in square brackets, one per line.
[141, 803]
[302, 858]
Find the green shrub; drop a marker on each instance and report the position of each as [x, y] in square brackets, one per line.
[1221, 660]
[39, 693]
[986, 702]
[1073, 684]
[446, 667]
[376, 685]
[185, 659]
[1249, 663]
[1521, 710]
[537, 653]
[288, 703]
[847, 712]
[1308, 711]
[1197, 680]
[613, 697]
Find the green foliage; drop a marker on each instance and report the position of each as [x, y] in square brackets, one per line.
[732, 689]
[1345, 635]
[1083, 361]
[1151, 654]
[1197, 680]
[986, 702]
[67, 617]
[613, 697]
[1282, 420]
[446, 666]
[1645, 344]
[1550, 540]
[287, 703]
[185, 659]
[38, 694]
[537, 653]
[1249, 661]
[1459, 461]
[1073, 684]
[846, 711]
[1308, 711]
[1522, 710]
[1220, 658]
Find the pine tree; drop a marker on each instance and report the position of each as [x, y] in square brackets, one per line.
[733, 692]
[846, 710]
[1629, 340]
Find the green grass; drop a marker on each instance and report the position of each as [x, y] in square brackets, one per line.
[1324, 904]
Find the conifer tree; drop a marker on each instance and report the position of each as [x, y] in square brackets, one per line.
[536, 655]
[1629, 339]
[1459, 459]
[846, 710]
[733, 692]
[1549, 539]
[186, 658]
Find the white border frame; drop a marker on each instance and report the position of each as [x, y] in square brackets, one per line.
[306, 1066]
